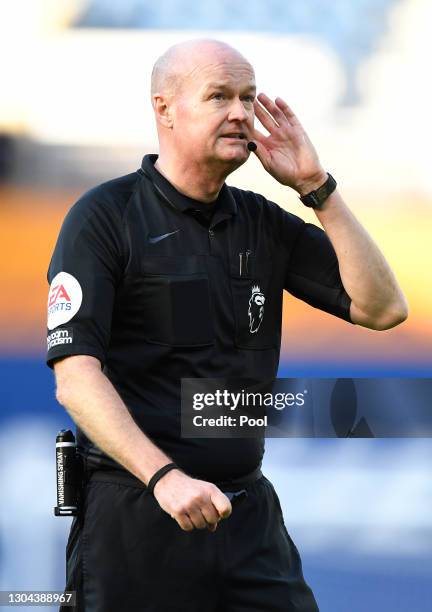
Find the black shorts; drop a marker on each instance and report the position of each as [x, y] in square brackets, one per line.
[125, 553]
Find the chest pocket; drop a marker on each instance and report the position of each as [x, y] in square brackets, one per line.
[256, 302]
[175, 301]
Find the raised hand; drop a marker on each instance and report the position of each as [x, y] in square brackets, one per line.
[287, 153]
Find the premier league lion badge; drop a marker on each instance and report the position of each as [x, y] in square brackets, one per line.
[256, 309]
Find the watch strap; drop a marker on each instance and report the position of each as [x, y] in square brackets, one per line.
[315, 199]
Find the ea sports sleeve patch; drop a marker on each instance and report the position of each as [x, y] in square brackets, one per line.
[84, 271]
[64, 299]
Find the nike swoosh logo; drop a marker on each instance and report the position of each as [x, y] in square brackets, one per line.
[154, 239]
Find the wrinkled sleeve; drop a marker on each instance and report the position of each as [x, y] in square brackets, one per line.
[313, 272]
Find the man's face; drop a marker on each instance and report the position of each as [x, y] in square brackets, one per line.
[213, 109]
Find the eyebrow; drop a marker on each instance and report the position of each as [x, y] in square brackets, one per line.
[222, 85]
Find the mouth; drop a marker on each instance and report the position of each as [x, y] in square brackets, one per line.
[234, 136]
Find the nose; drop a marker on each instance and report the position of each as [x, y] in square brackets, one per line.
[237, 111]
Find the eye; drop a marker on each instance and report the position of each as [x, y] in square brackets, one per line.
[218, 96]
[250, 99]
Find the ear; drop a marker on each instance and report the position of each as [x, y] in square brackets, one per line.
[163, 109]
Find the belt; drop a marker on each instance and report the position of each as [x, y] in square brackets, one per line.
[120, 477]
[238, 483]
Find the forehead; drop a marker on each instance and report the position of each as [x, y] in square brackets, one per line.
[228, 72]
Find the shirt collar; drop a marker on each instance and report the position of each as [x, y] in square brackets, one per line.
[225, 202]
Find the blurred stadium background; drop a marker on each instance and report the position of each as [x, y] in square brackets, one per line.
[75, 111]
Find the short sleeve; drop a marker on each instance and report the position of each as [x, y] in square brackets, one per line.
[84, 271]
[313, 273]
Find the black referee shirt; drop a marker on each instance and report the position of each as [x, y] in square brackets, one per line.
[161, 287]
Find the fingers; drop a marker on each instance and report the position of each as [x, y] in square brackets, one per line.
[287, 111]
[265, 118]
[193, 518]
[259, 137]
[274, 113]
[221, 503]
[197, 518]
[184, 522]
[211, 516]
[193, 504]
[205, 512]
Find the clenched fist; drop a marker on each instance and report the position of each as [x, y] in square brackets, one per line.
[192, 503]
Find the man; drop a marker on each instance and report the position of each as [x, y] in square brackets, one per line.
[166, 274]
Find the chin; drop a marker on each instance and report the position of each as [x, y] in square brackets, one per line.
[234, 157]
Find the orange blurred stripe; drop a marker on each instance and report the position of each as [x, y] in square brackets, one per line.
[29, 225]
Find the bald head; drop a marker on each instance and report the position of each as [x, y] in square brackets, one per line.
[181, 61]
[203, 91]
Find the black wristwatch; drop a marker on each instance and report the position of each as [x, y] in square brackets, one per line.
[315, 199]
